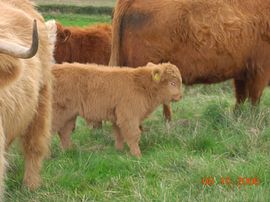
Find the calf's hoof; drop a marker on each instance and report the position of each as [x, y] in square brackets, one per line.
[136, 153]
[119, 146]
[32, 182]
[67, 146]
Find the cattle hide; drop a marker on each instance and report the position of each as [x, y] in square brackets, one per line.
[91, 44]
[209, 41]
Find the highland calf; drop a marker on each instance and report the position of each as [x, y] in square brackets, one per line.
[84, 45]
[25, 86]
[124, 96]
[209, 40]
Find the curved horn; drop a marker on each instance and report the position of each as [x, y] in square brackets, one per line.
[19, 51]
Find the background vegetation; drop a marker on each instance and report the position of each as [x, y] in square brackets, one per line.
[206, 138]
[96, 3]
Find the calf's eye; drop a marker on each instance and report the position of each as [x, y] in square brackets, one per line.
[172, 83]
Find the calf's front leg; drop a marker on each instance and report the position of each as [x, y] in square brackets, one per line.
[132, 133]
[65, 133]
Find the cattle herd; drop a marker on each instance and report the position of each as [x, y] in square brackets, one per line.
[208, 41]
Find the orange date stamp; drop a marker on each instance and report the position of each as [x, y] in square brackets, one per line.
[228, 181]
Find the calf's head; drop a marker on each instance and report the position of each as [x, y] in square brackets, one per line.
[62, 38]
[63, 34]
[168, 81]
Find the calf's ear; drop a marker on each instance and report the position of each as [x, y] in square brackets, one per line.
[156, 75]
[67, 34]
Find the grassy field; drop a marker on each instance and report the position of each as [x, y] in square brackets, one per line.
[78, 20]
[206, 138]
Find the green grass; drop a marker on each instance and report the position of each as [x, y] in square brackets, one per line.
[206, 138]
[78, 20]
[96, 3]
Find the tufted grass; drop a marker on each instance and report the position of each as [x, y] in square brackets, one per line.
[206, 138]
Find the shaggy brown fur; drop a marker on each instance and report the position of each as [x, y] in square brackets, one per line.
[209, 40]
[25, 89]
[124, 96]
[84, 45]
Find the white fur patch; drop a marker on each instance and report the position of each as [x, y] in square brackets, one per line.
[52, 29]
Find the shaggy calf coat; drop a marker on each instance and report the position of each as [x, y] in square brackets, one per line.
[209, 41]
[124, 96]
[25, 86]
[84, 45]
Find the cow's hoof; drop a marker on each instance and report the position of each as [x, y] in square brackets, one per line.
[137, 154]
[32, 183]
[66, 147]
[119, 146]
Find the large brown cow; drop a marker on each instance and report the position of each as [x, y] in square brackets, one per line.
[25, 86]
[124, 96]
[209, 40]
[84, 45]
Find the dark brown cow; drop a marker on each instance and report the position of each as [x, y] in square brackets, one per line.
[85, 45]
[209, 40]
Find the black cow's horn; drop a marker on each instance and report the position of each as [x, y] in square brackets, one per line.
[19, 51]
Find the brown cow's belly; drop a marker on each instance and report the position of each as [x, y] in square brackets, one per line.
[190, 78]
[99, 113]
[194, 69]
[207, 66]
[204, 64]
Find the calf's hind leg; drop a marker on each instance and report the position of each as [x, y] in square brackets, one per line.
[37, 139]
[119, 140]
[65, 132]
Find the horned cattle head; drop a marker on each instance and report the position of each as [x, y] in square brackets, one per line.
[62, 34]
[18, 51]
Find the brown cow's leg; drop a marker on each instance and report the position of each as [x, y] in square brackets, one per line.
[93, 124]
[256, 86]
[119, 141]
[131, 134]
[241, 91]
[167, 112]
[37, 139]
[65, 133]
[97, 125]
